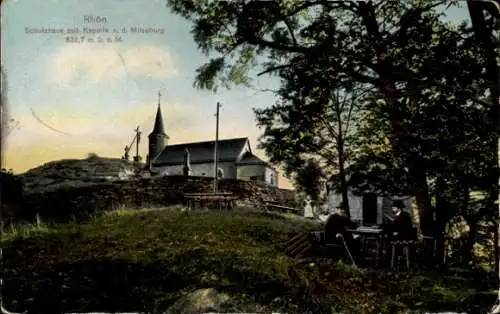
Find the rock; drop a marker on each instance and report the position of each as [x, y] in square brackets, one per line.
[199, 301]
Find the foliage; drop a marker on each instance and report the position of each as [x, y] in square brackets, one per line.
[91, 156]
[429, 130]
[143, 260]
[12, 187]
[313, 119]
[309, 179]
[445, 125]
[335, 35]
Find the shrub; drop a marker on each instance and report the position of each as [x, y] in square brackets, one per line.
[12, 187]
[92, 156]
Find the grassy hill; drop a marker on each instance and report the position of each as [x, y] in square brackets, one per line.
[130, 261]
[75, 172]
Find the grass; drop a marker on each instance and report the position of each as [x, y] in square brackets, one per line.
[143, 260]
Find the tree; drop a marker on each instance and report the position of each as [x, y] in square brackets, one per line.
[92, 156]
[483, 28]
[484, 32]
[446, 128]
[12, 187]
[399, 48]
[313, 120]
[308, 179]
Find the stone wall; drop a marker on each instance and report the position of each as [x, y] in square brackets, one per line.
[202, 170]
[81, 202]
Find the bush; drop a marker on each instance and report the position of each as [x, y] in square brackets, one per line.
[92, 156]
[12, 187]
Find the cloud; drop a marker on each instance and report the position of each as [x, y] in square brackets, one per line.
[107, 134]
[103, 133]
[106, 63]
[80, 125]
[149, 61]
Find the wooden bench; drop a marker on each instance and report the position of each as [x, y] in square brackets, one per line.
[281, 208]
[222, 200]
[273, 203]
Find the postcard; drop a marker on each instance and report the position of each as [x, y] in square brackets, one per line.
[183, 156]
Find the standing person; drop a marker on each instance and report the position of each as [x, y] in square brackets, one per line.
[401, 228]
[308, 209]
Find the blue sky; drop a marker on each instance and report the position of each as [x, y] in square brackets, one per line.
[96, 94]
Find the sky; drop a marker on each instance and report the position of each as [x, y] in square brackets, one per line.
[71, 99]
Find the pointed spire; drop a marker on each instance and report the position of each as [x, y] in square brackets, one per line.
[158, 127]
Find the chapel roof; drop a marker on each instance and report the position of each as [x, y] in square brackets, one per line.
[251, 159]
[202, 152]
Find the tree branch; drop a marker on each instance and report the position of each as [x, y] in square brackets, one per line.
[233, 37]
[273, 45]
[349, 115]
[330, 129]
[278, 67]
[482, 102]
[287, 23]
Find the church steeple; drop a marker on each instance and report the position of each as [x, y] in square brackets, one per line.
[158, 137]
[158, 126]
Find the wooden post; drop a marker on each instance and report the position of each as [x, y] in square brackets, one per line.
[216, 161]
[137, 140]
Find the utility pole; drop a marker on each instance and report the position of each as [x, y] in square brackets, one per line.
[216, 161]
[137, 140]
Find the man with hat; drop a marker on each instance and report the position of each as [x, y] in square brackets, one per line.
[401, 227]
[339, 223]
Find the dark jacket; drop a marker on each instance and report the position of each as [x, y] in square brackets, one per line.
[338, 224]
[403, 226]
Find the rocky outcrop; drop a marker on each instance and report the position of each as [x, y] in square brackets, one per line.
[69, 173]
[199, 301]
[81, 202]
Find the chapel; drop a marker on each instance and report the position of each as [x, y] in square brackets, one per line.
[235, 157]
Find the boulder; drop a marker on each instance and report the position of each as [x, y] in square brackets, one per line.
[199, 301]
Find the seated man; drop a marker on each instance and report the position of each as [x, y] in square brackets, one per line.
[323, 214]
[339, 223]
[401, 228]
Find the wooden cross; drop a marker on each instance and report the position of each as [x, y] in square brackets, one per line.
[138, 135]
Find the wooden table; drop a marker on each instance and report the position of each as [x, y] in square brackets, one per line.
[371, 233]
[222, 200]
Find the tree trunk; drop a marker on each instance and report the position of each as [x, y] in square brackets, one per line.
[344, 187]
[416, 167]
[441, 218]
[493, 215]
[420, 189]
[467, 250]
[343, 182]
[417, 171]
[496, 244]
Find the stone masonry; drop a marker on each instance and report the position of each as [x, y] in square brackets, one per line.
[81, 202]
